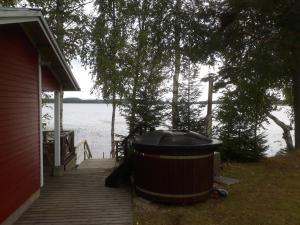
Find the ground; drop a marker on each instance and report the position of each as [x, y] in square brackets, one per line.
[268, 194]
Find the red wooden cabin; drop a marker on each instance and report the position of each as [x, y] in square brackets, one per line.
[30, 62]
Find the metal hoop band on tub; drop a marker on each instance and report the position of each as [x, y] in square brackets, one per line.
[173, 195]
[177, 157]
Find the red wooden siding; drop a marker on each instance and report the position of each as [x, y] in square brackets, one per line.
[49, 83]
[19, 120]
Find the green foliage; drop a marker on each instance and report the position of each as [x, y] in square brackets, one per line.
[108, 53]
[202, 31]
[252, 43]
[144, 92]
[68, 22]
[245, 105]
[8, 3]
[132, 54]
[259, 38]
[257, 44]
[150, 110]
[240, 118]
[243, 148]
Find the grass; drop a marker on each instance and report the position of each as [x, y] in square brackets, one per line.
[268, 194]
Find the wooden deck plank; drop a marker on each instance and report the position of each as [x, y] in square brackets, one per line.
[80, 197]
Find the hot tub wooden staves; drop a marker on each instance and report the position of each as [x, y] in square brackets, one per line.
[168, 169]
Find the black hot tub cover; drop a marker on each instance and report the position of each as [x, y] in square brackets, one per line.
[173, 138]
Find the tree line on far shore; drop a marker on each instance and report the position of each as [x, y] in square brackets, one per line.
[142, 51]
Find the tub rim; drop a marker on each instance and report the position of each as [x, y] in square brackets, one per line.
[200, 147]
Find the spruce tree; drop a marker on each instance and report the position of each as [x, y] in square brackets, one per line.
[189, 109]
[144, 92]
[240, 126]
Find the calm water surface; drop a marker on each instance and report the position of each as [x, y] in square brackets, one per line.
[92, 122]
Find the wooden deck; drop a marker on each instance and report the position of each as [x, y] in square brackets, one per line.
[80, 197]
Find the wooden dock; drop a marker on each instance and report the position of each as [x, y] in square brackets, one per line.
[80, 197]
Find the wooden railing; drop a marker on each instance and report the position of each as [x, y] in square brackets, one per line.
[83, 148]
[66, 146]
[119, 150]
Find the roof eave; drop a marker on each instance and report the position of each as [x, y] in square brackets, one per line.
[58, 52]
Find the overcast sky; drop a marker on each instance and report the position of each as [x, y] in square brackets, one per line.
[84, 80]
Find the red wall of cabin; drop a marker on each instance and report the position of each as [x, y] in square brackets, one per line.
[19, 120]
[49, 83]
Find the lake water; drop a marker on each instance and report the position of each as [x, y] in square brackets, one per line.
[92, 122]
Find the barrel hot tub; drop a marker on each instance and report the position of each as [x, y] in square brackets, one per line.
[174, 166]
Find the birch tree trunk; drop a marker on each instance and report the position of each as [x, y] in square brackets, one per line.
[112, 131]
[175, 115]
[209, 108]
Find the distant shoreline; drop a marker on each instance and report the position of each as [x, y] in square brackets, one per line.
[101, 101]
[79, 101]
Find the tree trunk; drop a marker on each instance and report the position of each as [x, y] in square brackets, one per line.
[189, 98]
[112, 132]
[296, 93]
[175, 115]
[209, 108]
[177, 61]
[286, 132]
